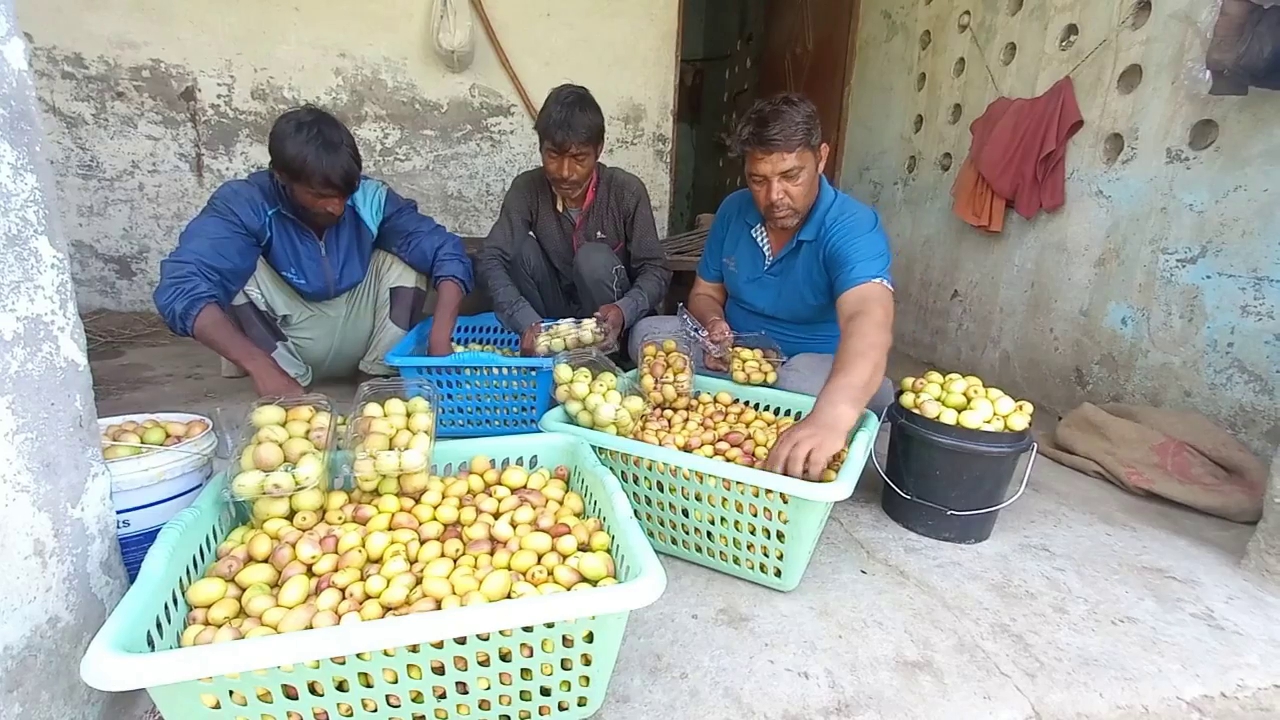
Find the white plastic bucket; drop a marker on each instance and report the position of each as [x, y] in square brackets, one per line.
[149, 489]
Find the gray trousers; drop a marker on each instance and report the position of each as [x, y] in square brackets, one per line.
[805, 373]
[317, 340]
[599, 278]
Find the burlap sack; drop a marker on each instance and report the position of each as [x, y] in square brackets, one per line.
[1180, 456]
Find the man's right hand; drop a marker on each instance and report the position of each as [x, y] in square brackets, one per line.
[272, 381]
[719, 333]
[529, 340]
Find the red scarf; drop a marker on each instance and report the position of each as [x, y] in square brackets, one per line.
[586, 205]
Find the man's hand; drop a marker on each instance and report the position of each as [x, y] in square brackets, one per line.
[805, 449]
[719, 333]
[439, 344]
[271, 380]
[449, 294]
[529, 340]
[613, 319]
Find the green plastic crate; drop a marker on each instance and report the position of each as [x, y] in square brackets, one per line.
[544, 657]
[749, 523]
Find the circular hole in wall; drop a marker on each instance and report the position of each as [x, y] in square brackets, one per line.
[1013, 7]
[1112, 146]
[1129, 80]
[1139, 14]
[944, 161]
[920, 81]
[1008, 53]
[957, 68]
[953, 114]
[926, 38]
[1067, 37]
[917, 123]
[1204, 133]
[962, 22]
[911, 164]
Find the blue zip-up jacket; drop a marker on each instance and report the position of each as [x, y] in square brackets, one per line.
[246, 219]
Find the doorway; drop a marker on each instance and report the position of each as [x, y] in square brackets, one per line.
[735, 51]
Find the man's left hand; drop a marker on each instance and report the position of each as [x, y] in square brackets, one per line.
[439, 346]
[805, 449]
[611, 315]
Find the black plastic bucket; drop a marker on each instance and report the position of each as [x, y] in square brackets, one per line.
[947, 482]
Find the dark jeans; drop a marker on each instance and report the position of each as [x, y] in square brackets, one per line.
[599, 278]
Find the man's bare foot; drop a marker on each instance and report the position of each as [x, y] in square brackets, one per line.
[231, 370]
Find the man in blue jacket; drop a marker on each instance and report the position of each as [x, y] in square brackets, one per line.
[310, 270]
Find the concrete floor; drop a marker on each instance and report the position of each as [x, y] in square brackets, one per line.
[1086, 603]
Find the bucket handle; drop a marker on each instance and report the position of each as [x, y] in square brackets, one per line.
[1022, 487]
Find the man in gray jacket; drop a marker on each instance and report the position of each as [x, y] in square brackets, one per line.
[575, 238]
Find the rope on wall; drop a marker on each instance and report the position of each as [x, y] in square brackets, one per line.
[478, 6]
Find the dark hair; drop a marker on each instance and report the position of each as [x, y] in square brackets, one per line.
[309, 146]
[570, 116]
[785, 122]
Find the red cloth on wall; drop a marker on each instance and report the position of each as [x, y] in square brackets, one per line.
[1019, 148]
[1025, 157]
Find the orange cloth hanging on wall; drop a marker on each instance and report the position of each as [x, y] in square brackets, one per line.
[1018, 155]
[975, 202]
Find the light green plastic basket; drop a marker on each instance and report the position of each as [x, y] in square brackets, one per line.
[745, 522]
[538, 657]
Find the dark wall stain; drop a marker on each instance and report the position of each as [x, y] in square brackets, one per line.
[123, 265]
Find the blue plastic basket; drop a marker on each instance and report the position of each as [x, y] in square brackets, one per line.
[481, 393]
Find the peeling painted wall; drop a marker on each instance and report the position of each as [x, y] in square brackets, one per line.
[150, 105]
[60, 554]
[1157, 283]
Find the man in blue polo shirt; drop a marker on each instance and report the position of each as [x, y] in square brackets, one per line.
[794, 258]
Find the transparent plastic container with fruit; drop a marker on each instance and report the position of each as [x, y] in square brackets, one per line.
[746, 358]
[596, 393]
[284, 450]
[665, 371]
[557, 336]
[390, 437]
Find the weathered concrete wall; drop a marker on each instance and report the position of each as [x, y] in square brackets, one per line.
[62, 565]
[151, 104]
[1157, 283]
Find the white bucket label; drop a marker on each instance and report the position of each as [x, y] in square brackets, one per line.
[138, 526]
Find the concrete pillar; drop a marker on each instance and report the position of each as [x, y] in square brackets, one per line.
[61, 567]
[1263, 553]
